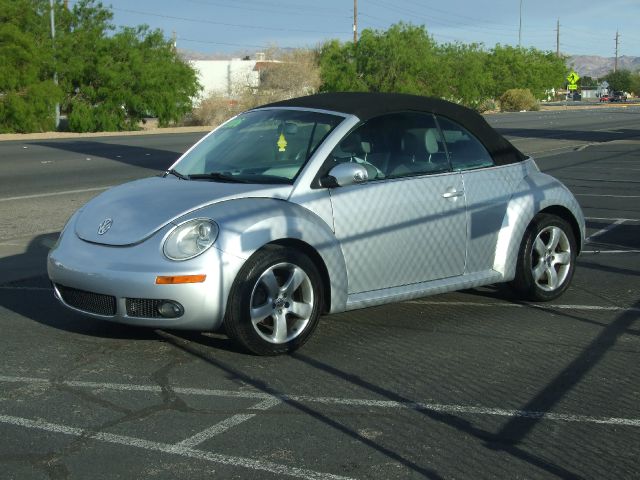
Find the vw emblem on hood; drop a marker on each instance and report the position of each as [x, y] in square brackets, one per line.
[105, 226]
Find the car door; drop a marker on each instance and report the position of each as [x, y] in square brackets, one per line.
[488, 189]
[405, 224]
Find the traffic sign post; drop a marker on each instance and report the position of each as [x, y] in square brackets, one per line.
[573, 78]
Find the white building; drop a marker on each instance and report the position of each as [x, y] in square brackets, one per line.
[226, 77]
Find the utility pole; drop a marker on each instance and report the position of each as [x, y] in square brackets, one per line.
[520, 27]
[55, 73]
[355, 22]
[615, 65]
[558, 38]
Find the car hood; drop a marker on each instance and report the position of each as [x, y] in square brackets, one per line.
[138, 209]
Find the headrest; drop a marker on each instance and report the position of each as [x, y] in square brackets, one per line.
[409, 143]
[431, 140]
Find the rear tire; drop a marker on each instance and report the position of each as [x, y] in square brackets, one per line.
[275, 302]
[546, 260]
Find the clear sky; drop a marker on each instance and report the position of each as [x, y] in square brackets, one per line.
[245, 26]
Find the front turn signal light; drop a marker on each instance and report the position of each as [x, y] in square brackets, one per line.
[178, 279]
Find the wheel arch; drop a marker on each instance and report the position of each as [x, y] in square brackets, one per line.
[537, 193]
[248, 225]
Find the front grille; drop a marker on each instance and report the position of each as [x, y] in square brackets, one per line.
[143, 307]
[88, 301]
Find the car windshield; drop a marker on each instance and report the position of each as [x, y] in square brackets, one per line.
[261, 146]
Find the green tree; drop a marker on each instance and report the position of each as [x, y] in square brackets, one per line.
[137, 74]
[406, 59]
[520, 68]
[27, 91]
[401, 59]
[120, 78]
[107, 80]
[588, 81]
[619, 80]
[465, 67]
[635, 83]
[338, 68]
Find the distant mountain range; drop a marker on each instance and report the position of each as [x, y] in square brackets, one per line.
[597, 67]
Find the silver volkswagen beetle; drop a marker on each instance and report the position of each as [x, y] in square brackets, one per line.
[315, 205]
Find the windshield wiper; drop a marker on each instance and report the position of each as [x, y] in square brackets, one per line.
[217, 177]
[177, 174]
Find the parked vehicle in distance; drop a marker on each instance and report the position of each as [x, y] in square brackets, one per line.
[315, 205]
[619, 96]
[605, 98]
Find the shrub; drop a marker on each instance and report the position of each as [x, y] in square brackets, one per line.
[487, 105]
[214, 110]
[81, 118]
[29, 110]
[518, 99]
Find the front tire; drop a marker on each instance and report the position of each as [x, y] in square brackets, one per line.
[546, 260]
[275, 302]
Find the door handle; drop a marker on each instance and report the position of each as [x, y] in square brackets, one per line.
[452, 193]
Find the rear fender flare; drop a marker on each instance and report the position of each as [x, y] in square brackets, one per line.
[535, 193]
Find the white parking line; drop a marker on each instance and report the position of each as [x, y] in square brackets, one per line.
[54, 194]
[214, 430]
[545, 306]
[353, 402]
[603, 195]
[171, 449]
[609, 219]
[604, 230]
[228, 423]
[609, 251]
[35, 289]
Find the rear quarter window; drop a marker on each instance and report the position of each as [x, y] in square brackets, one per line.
[465, 151]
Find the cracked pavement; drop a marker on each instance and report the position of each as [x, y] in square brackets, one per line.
[467, 385]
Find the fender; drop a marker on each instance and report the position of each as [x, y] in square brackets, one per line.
[522, 208]
[248, 224]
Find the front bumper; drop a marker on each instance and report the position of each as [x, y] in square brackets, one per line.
[118, 283]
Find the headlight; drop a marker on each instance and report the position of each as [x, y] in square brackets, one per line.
[190, 239]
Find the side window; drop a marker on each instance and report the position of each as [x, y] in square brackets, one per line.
[395, 145]
[465, 151]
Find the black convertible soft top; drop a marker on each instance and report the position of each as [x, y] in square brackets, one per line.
[367, 105]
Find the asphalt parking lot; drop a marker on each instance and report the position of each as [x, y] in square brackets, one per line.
[474, 384]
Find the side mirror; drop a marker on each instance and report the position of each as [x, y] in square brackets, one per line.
[344, 174]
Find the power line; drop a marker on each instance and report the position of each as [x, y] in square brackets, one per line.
[211, 22]
[286, 11]
[444, 21]
[243, 45]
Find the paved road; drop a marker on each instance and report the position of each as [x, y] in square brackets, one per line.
[44, 166]
[467, 385]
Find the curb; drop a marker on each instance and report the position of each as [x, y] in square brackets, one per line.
[12, 137]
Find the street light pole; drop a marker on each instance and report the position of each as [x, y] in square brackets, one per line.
[355, 22]
[55, 73]
[520, 27]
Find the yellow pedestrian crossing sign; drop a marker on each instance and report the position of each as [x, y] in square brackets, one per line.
[573, 78]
